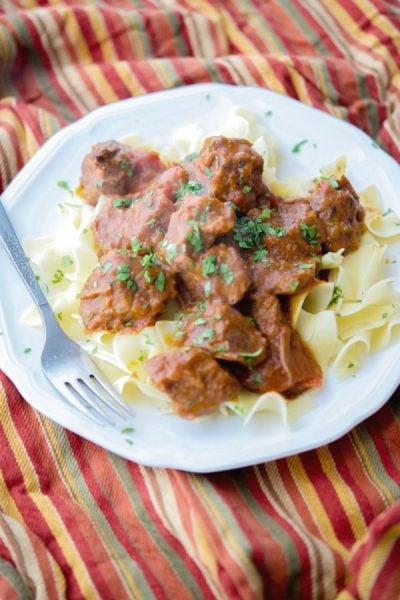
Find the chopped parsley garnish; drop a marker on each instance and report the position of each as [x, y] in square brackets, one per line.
[246, 189]
[100, 183]
[305, 265]
[226, 273]
[261, 256]
[387, 212]
[294, 285]
[67, 261]
[172, 252]
[208, 172]
[309, 233]
[191, 187]
[199, 321]
[194, 237]
[192, 156]
[210, 266]
[122, 202]
[204, 336]
[297, 147]
[250, 232]
[160, 281]
[127, 430]
[207, 288]
[126, 167]
[58, 276]
[123, 272]
[65, 186]
[266, 213]
[334, 183]
[27, 350]
[106, 267]
[257, 378]
[136, 245]
[337, 293]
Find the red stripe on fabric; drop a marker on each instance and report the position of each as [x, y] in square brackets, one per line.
[115, 81]
[326, 491]
[125, 525]
[387, 582]
[171, 539]
[48, 68]
[265, 550]
[323, 34]
[119, 26]
[385, 433]
[24, 418]
[369, 27]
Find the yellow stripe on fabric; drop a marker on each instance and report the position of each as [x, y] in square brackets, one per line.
[297, 80]
[73, 31]
[368, 40]
[307, 490]
[385, 25]
[60, 455]
[129, 78]
[164, 496]
[46, 508]
[232, 538]
[166, 73]
[99, 80]
[60, 61]
[346, 497]
[322, 567]
[235, 35]
[267, 73]
[375, 561]
[371, 472]
[103, 38]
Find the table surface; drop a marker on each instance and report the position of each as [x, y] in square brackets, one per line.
[79, 522]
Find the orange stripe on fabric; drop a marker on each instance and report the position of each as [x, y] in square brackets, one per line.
[374, 563]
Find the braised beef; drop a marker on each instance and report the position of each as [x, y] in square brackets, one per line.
[231, 170]
[193, 379]
[114, 168]
[339, 211]
[223, 331]
[127, 221]
[125, 292]
[219, 273]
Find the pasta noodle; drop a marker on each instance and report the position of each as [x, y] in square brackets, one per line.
[354, 313]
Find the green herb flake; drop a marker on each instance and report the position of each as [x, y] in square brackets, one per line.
[100, 183]
[192, 156]
[337, 293]
[126, 166]
[191, 187]
[294, 285]
[106, 267]
[247, 189]
[123, 272]
[207, 289]
[199, 321]
[274, 231]
[64, 185]
[350, 365]
[388, 211]
[257, 379]
[266, 213]
[194, 237]
[136, 245]
[226, 273]
[204, 336]
[305, 265]
[122, 202]
[297, 147]
[127, 430]
[261, 256]
[160, 281]
[172, 252]
[59, 316]
[27, 350]
[210, 266]
[208, 172]
[67, 261]
[58, 276]
[309, 233]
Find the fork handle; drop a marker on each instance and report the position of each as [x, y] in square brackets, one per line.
[21, 263]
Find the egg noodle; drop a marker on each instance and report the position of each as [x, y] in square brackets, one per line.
[354, 313]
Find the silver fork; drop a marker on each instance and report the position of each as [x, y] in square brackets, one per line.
[65, 364]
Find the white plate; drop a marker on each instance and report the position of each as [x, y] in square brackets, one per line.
[163, 440]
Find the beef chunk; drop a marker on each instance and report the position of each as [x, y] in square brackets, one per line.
[114, 168]
[223, 331]
[218, 273]
[284, 259]
[289, 366]
[231, 170]
[338, 207]
[124, 292]
[193, 228]
[194, 381]
[144, 218]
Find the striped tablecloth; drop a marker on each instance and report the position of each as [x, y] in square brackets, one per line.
[79, 522]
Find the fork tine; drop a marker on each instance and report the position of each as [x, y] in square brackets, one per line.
[79, 403]
[96, 378]
[88, 387]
